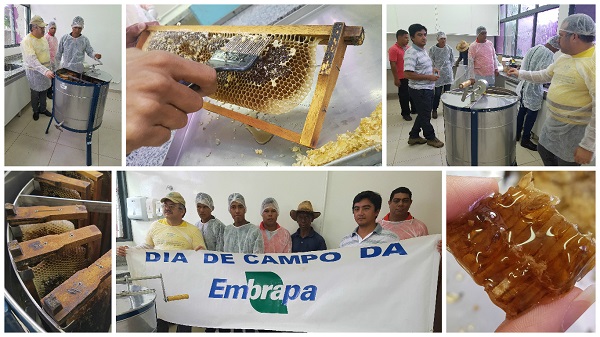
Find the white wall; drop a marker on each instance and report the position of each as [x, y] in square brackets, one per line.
[452, 19]
[331, 193]
[102, 27]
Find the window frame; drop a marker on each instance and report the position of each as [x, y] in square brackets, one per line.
[27, 25]
[520, 15]
[122, 199]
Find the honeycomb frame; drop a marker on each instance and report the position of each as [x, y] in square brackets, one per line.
[336, 37]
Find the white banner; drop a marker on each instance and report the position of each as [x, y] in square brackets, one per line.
[390, 287]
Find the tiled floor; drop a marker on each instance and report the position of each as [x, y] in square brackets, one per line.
[399, 153]
[27, 144]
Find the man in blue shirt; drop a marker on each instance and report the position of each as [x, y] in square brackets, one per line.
[306, 239]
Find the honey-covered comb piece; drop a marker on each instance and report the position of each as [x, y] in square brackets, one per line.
[519, 248]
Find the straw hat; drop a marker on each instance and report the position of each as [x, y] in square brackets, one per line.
[462, 46]
[306, 207]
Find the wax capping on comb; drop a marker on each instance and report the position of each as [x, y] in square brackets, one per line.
[519, 248]
[266, 73]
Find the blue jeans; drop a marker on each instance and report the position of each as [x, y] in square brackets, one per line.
[550, 159]
[423, 101]
[529, 116]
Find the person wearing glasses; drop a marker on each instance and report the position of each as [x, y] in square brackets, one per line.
[568, 135]
[36, 59]
[172, 232]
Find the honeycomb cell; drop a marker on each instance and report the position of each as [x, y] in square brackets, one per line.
[279, 80]
[519, 248]
[34, 231]
[58, 192]
[54, 270]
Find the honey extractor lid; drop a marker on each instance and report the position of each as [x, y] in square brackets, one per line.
[487, 102]
[132, 305]
[98, 74]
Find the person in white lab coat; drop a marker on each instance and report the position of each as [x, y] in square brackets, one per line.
[36, 59]
[73, 47]
[442, 58]
[532, 94]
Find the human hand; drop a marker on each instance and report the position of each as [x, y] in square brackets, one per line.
[439, 246]
[49, 74]
[462, 192]
[397, 82]
[583, 156]
[156, 102]
[122, 250]
[434, 77]
[132, 33]
[513, 72]
[200, 248]
[553, 315]
[496, 72]
[98, 56]
[436, 71]
[472, 81]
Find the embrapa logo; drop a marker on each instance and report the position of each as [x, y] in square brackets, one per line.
[265, 290]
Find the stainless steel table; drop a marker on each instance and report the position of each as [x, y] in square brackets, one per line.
[211, 139]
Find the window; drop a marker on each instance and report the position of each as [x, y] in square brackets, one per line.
[525, 33]
[510, 28]
[524, 26]
[547, 26]
[16, 18]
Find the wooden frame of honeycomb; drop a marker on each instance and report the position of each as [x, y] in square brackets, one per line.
[336, 37]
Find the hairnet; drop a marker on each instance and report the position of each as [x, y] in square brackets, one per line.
[480, 29]
[581, 24]
[269, 203]
[237, 198]
[77, 22]
[51, 24]
[205, 199]
[441, 35]
[553, 41]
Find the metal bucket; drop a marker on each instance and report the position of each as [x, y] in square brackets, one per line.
[135, 313]
[80, 98]
[481, 133]
[20, 187]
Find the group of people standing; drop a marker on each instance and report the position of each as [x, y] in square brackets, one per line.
[568, 134]
[242, 236]
[43, 54]
[174, 233]
[422, 76]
